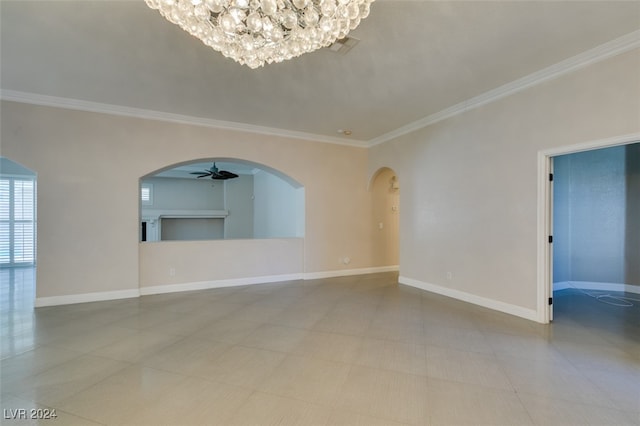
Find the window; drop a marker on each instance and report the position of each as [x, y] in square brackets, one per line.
[146, 194]
[17, 221]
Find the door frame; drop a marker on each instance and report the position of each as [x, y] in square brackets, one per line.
[545, 214]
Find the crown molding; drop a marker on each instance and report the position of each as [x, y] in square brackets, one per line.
[89, 106]
[612, 48]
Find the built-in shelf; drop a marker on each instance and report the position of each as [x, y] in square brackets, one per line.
[150, 214]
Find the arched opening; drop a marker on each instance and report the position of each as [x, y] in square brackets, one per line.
[18, 221]
[385, 188]
[220, 199]
[201, 231]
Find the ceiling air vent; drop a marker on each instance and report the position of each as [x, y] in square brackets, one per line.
[343, 45]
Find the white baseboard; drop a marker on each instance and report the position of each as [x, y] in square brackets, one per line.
[85, 297]
[205, 285]
[589, 285]
[496, 305]
[201, 285]
[349, 272]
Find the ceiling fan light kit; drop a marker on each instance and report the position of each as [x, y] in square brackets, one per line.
[258, 32]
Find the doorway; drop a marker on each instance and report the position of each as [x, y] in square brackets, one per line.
[590, 220]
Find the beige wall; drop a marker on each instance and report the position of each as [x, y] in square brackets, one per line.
[238, 200]
[469, 183]
[89, 166]
[168, 263]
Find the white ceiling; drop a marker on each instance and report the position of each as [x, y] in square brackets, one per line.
[414, 59]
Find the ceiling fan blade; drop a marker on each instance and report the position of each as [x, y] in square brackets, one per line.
[227, 175]
[199, 173]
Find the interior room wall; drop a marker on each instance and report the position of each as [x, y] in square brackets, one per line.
[89, 166]
[191, 265]
[276, 213]
[632, 242]
[590, 216]
[561, 220]
[468, 222]
[238, 201]
[185, 194]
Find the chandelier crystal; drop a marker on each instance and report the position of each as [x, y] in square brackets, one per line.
[255, 32]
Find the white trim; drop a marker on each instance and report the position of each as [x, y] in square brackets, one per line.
[349, 272]
[614, 47]
[205, 285]
[80, 105]
[496, 305]
[596, 286]
[200, 285]
[183, 214]
[599, 53]
[234, 282]
[543, 250]
[591, 145]
[85, 297]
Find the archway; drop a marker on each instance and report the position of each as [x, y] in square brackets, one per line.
[385, 189]
[260, 217]
[220, 198]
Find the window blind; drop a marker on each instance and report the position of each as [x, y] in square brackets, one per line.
[17, 221]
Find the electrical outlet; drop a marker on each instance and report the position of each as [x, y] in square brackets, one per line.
[449, 276]
[346, 260]
[172, 271]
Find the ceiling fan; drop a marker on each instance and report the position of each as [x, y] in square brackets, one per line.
[215, 173]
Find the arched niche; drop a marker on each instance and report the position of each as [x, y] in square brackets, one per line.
[384, 186]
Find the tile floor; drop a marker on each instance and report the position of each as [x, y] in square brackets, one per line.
[344, 351]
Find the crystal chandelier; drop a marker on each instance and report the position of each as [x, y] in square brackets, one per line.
[255, 32]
